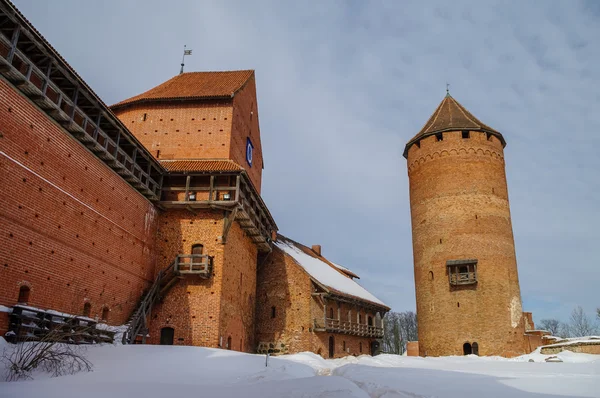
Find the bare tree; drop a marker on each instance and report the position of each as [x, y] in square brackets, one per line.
[551, 325]
[580, 324]
[400, 328]
[598, 312]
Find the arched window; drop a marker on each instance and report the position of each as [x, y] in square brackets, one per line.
[197, 248]
[331, 313]
[87, 309]
[24, 294]
[359, 318]
[229, 343]
[475, 348]
[105, 311]
[467, 350]
[370, 321]
[430, 275]
[331, 346]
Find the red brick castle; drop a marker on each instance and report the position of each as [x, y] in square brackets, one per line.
[148, 214]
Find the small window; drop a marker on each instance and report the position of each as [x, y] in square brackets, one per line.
[24, 294]
[105, 311]
[87, 309]
[370, 321]
[489, 136]
[144, 117]
[465, 134]
[475, 348]
[197, 248]
[462, 272]
[331, 313]
[359, 318]
[273, 312]
[228, 343]
[439, 137]
[430, 275]
[360, 347]
[467, 350]
[344, 345]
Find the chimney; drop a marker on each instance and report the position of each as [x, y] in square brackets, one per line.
[317, 249]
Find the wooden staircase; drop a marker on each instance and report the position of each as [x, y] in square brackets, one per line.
[184, 264]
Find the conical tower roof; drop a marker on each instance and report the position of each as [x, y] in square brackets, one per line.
[450, 115]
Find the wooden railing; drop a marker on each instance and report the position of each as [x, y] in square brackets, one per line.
[463, 278]
[197, 264]
[33, 324]
[346, 327]
[68, 101]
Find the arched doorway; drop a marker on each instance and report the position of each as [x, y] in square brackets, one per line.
[467, 350]
[374, 348]
[166, 336]
[475, 348]
[331, 346]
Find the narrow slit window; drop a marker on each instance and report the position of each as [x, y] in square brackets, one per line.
[273, 312]
[465, 134]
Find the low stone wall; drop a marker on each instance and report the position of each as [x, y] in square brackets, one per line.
[586, 347]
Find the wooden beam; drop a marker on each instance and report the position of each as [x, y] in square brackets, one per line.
[187, 189]
[229, 220]
[13, 44]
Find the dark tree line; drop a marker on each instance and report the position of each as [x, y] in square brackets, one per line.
[399, 328]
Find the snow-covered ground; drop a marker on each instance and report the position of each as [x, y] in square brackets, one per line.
[171, 371]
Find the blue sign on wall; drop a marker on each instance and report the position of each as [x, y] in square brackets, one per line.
[249, 149]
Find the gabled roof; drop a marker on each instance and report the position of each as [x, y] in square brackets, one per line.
[325, 273]
[450, 115]
[200, 165]
[193, 86]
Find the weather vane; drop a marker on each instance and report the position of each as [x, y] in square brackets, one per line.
[185, 52]
[448, 89]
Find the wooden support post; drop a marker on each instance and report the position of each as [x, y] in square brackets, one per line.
[229, 220]
[97, 127]
[187, 188]
[13, 44]
[237, 188]
[117, 143]
[212, 184]
[47, 79]
[75, 97]
[29, 70]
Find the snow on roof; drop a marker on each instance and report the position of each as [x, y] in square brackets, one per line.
[344, 270]
[325, 274]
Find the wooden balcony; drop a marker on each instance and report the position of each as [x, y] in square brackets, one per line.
[231, 191]
[33, 66]
[463, 278]
[194, 264]
[344, 327]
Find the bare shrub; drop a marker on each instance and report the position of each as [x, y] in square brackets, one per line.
[47, 354]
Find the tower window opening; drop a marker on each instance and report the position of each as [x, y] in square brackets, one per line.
[465, 134]
[144, 117]
[360, 347]
[475, 348]
[105, 311]
[273, 312]
[489, 136]
[439, 137]
[344, 345]
[24, 294]
[430, 275]
[229, 343]
[462, 272]
[331, 313]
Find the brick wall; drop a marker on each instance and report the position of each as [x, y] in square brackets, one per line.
[192, 306]
[460, 210]
[182, 130]
[245, 125]
[207, 312]
[72, 229]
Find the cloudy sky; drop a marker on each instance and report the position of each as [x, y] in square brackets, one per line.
[342, 86]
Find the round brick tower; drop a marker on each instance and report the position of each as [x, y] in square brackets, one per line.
[467, 287]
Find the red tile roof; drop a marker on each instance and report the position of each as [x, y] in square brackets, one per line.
[200, 165]
[194, 86]
[450, 115]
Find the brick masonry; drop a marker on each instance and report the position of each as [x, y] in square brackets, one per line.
[460, 210]
[200, 130]
[72, 229]
[286, 287]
